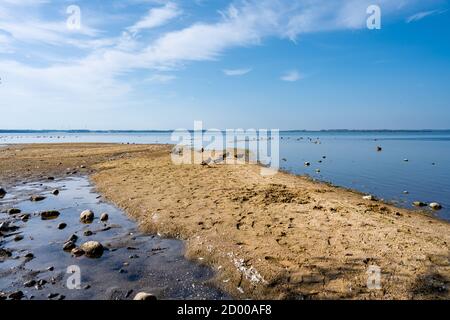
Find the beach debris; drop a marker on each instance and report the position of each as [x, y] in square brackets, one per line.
[62, 225]
[49, 215]
[37, 198]
[307, 164]
[206, 162]
[104, 217]
[69, 245]
[369, 197]
[419, 204]
[14, 211]
[55, 192]
[92, 249]
[87, 216]
[435, 206]
[77, 252]
[2, 193]
[379, 148]
[144, 296]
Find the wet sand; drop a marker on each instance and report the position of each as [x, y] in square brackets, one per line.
[280, 237]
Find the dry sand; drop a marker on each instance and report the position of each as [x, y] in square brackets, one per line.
[278, 237]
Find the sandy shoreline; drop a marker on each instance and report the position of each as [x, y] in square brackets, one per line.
[274, 237]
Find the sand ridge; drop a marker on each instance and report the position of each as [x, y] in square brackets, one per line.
[277, 237]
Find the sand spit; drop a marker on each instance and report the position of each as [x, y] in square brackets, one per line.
[280, 237]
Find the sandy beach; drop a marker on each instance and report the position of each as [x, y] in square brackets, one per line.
[276, 237]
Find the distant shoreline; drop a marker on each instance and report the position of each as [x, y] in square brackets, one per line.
[281, 131]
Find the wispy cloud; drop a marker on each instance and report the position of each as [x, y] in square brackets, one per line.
[236, 72]
[421, 15]
[157, 17]
[291, 76]
[161, 78]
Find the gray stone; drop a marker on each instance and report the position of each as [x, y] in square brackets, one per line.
[104, 217]
[87, 216]
[49, 215]
[92, 249]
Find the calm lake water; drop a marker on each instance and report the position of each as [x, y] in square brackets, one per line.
[352, 159]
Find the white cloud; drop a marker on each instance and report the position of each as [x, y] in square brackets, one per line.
[291, 76]
[161, 78]
[420, 15]
[236, 72]
[156, 17]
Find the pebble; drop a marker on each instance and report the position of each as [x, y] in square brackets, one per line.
[72, 238]
[25, 217]
[77, 252]
[68, 246]
[144, 296]
[379, 148]
[2, 192]
[435, 206]
[18, 237]
[51, 268]
[29, 255]
[369, 197]
[87, 216]
[55, 192]
[88, 233]
[104, 217]
[49, 215]
[307, 164]
[92, 249]
[62, 225]
[30, 283]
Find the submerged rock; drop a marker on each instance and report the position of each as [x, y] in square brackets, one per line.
[49, 215]
[92, 249]
[144, 296]
[37, 198]
[87, 216]
[435, 206]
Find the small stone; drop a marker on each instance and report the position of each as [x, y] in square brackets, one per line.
[419, 204]
[82, 166]
[52, 295]
[318, 170]
[42, 282]
[37, 198]
[435, 206]
[51, 268]
[405, 192]
[307, 164]
[77, 252]
[14, 211]
[369, 197]
[88, 233]
[18, 237]
[92, 249]
[49, 215]
[144, 296]
[62, 225]
[30, 283]
[29, 255]
[87, 216]
[104, 217]
[379, 148]
[25, 217]
[5, 253]
[405, 160]
[18, 295]
[72, 238]
[2, 193]
[55, 192]
[51, 178]
[68, 246]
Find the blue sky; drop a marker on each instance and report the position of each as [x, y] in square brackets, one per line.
[146, 64]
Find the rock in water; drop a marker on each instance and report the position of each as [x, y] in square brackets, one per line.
[49, 215]
[55, 192]
[69, 245]
[87, 216]
[62, 225]
[92, 249]
[104, 217]
[307, 164]
[144, 296]
[37, 198]
[369, 197]
[379, 148]
[419, 204]
[2, 192]
[77, 252]
[14, 211]
[435, 206]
